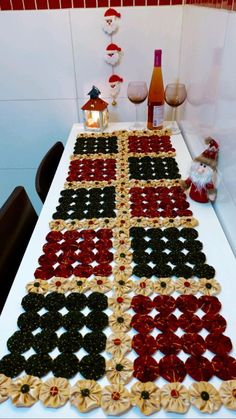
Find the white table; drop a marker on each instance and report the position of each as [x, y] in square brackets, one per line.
[215, 246]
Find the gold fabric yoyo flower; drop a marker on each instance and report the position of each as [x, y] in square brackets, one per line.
[204, 397]
[5, 383]
[146, 396]
[120, 322]
[175, 398]
[118, 302]
[144, 286]
[186, 286]
[79, 284]
[58, 284]
[24, 391]
[37, 286]
[209, 286]
[119, 370]
[85, 395]
[100, 284]
[54, 392]
[115, 399]
[118, 344]
[227, 392]
[164, 286]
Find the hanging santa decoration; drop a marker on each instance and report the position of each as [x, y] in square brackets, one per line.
[114, 87]
[112, 55]
[202, 177]
[110, 24]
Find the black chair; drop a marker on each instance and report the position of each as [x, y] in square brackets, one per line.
[17, 222]
[47, 169]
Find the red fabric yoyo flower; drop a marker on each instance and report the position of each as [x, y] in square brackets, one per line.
[172, 369]
[104, 257]
[47, 260]
[214, 323]
[71, 235]
[209, 304]
[64, 271]
[104, 234]
[165, 304]
[86, 257]
[52, 247]
[199, 368]
[54, 236]
[168, 343]
[190, 323]
[224, 367]
[166, 323]
[141, 304]
[83, 271]
[144, 344]
[193, 344]
[187, 303]
[146, 369]
[143, 323]
[102, 270]
[44, 273]
[87, 234]
[218, 344]
[68, 257]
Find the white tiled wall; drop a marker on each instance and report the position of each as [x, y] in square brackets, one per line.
[207, 68]
[49, 61]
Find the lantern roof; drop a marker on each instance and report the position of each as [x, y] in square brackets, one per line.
[94, 103]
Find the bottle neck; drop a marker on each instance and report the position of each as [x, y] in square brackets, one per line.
[157, 58]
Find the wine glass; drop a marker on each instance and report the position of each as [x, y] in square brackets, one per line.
[137, 92]
[175, 95]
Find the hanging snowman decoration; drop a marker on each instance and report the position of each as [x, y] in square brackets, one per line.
[113, 52]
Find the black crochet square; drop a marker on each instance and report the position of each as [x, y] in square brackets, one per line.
[153, 168]
[86, 203]
[95, 145]
[164, 253]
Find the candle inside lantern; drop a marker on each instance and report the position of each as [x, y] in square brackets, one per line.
[95, 112]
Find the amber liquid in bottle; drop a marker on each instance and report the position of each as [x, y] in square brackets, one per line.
[156, 98]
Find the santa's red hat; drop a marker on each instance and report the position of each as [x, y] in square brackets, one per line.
[114, 79]
[111, 48]
[111, 12]
[210, 155]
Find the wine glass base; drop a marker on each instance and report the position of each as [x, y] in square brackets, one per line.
[137, 126]
[173, 126]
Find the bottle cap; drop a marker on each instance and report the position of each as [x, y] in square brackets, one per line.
[157, 57]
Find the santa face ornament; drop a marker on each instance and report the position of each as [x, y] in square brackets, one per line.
[114, 87]
[112, 55]
[110, 23]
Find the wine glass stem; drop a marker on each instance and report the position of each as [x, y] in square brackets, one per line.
[136, 113]
[173, 117]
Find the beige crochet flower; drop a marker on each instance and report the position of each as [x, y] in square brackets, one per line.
[144, 286]
[24, 391]
[164, 286]
[115, 399]
[54, 392]
[119, 370]
[205, 397]
[227, 392]
[39, 287]
[122, 286]
[58, 284]
[79, 284]
[120, 322]
[57, 225]
[85, 395]
[146, 396]
[175, 398]
[118, 302]
[5, 383]
[209, 286]
[100, 284]
[118, 344]
[186, 286]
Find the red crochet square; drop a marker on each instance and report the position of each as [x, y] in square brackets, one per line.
[159, 202]
[92, 170]
[80, 253]
[151, 144]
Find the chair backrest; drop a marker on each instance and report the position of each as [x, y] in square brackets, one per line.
[47, 169]
[17, 221]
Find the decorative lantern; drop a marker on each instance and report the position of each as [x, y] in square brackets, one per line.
[95, 112]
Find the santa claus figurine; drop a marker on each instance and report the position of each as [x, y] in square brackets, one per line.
[112, 55]
[201, 180]
[114, 84]
[110, 24]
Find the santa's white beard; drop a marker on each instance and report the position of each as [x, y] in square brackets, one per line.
[114, 91]
[200, 179]
[110, 27]
[112, 59]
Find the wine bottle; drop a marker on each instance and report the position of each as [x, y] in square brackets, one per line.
[156, 96]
